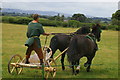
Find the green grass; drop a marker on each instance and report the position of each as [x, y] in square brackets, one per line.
[105, 63]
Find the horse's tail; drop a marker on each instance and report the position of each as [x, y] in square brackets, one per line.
[71, 52]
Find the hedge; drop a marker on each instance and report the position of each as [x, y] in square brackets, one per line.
[16, 20]
[46, 22]
[114, 27]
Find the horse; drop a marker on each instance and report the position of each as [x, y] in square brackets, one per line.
[83, 46]
[61, 42]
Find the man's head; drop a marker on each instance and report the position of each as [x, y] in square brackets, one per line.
[35, 16]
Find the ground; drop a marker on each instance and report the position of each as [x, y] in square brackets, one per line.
[105, 63]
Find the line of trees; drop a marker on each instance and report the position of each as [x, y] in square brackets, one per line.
[59, 17]
[44, 22]
[77, 20]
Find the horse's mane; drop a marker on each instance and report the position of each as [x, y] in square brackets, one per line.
[83, 30]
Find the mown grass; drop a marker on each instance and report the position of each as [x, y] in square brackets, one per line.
[105, 63]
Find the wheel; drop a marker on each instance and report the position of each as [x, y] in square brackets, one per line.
[13, 64]
[50, 69]
[47, 52]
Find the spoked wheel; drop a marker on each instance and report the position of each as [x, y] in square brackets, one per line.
[51, 68]
[13, 66]
[47, 52]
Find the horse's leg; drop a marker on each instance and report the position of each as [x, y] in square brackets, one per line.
[78, 67]
[89, 63]
[53, 45]
[53, 51]
[62, 60]
[86, 64]
[73, 71]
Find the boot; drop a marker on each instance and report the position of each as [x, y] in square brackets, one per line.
[41, 62]
[26, 61]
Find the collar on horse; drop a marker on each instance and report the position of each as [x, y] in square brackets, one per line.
[91, 37]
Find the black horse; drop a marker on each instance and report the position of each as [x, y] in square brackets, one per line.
[83, 46]
[61, 42]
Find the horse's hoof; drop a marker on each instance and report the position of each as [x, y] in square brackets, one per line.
[63, 68]
[88, 70]
[85, 65]
[77, 71]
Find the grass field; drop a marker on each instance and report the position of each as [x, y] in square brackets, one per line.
[105, 63]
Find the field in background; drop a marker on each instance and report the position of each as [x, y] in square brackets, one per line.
[105, 63]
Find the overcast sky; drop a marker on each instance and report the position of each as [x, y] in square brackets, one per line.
[99, 9]
[60, 0]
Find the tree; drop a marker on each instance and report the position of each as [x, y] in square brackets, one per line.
[116, 18]
[62, 18]
[115, 22]
[73, 23]
[116, 15]
[52, 17]
[57, 17]
[79, 17]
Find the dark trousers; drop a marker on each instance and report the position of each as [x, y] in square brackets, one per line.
[34, 47]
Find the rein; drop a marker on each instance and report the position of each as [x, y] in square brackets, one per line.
[61, 33]
[45, 42]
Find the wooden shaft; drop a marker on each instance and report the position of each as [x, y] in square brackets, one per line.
[59, 55]
[23, 59]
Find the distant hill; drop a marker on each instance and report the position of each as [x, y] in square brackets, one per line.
[101, 18]
[49, 13]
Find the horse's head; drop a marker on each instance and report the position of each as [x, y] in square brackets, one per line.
[96, 30]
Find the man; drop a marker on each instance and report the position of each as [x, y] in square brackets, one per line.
[34, 30]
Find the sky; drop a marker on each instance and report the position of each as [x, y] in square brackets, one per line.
[60, 0]
[99, 8]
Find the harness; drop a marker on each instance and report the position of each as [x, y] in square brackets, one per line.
[91, 38]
